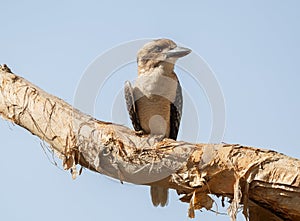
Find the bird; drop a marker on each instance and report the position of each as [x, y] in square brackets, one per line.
[155, 101]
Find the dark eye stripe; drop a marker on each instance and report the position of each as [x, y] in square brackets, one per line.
[157, 48]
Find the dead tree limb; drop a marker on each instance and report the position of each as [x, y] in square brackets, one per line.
[264, 182]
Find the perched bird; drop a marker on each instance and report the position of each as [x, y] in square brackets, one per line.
[155, 102]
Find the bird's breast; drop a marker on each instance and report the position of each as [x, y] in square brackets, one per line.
[157, 84]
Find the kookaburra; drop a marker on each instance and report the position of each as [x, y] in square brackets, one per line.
[155, 102]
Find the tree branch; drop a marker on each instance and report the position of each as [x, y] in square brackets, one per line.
[265, 182]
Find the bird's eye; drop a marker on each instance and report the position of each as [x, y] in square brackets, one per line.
[158, 49]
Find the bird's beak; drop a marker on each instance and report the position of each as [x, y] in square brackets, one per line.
[178, 52]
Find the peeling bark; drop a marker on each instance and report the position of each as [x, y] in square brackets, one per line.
[264, 182]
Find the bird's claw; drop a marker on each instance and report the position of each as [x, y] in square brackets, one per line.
[139, 133]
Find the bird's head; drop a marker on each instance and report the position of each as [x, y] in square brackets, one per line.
[160, 53]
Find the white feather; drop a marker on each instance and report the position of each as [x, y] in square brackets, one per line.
[157, 84]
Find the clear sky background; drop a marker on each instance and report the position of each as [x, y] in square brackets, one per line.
[253, 49]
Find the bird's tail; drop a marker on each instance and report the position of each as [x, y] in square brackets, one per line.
[159, 196]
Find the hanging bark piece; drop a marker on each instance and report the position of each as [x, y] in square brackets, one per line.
[263, 181]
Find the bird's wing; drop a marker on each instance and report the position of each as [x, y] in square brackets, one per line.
[131, 107]
[175, 115]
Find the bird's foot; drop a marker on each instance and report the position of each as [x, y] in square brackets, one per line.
[139, 133]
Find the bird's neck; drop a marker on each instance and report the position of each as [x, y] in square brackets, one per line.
[166, 69]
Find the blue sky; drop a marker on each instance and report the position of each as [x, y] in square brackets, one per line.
[252, 48]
